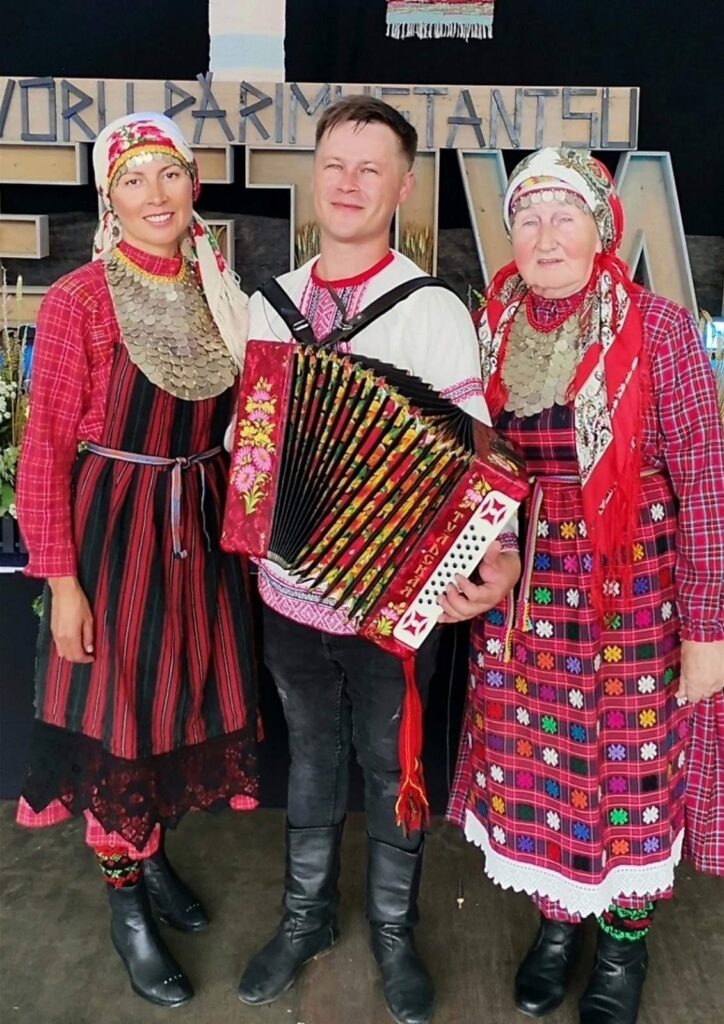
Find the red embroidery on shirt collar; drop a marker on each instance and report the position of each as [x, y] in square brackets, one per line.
[350, 282]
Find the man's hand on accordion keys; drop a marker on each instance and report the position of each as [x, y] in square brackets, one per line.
[498, 572]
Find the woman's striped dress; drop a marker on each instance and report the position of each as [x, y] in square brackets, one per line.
[164, 719]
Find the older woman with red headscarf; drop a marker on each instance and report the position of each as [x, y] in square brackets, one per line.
[145, 695]
[593, 745]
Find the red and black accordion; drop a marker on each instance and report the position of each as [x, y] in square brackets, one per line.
[362, 481]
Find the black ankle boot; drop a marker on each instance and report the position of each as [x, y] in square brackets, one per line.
[154, 973]
[309, 925]
[540, 984]
[393, 882]
[613, 992]
[171, 898]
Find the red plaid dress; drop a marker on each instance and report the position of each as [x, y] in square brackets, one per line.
[579, 775]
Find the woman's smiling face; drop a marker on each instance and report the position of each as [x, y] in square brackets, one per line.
[154, 203]
[554, 245]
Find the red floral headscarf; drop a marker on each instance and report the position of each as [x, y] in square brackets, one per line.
[610, 387]
[140, 138]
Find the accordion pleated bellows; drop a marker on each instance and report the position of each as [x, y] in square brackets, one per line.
[361, 480]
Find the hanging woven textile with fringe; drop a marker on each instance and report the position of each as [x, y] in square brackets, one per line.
[439, 19]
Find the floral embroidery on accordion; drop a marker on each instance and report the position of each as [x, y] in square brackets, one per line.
[475, 494]
[252, 460]
[385, 621]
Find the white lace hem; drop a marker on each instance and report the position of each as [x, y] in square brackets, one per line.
[575, 897]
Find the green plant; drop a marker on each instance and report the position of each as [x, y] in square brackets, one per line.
[719, 375]
[417, 243]
[306, 243]
[476, 299]
[718, 360]
[13, 394]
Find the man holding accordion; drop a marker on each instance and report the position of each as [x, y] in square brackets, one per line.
[337, 689]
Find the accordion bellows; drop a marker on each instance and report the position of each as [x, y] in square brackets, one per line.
[359, 479]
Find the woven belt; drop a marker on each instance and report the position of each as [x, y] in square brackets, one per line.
[177, 467]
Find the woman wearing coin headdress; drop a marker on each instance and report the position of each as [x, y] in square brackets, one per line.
[145, 699]
[592, 750]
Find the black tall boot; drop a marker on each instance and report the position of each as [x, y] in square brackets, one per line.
[393, 883]
[309, 925]
[154, 973]
[613, 992]
[540, 984]
[172, 899]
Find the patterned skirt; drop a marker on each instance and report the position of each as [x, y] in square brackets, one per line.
[571, 774]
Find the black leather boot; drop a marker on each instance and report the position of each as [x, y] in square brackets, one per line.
[171, 898]
[393, 882]
[613, 992]
[309, 925]
[540, 984]
[154, 973]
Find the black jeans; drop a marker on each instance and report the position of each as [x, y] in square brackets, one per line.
[338, 691]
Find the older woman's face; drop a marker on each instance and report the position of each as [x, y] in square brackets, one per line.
[553, 247]
[154, 206]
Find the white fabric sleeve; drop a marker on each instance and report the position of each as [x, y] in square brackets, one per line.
[442, 348]
[258, 330]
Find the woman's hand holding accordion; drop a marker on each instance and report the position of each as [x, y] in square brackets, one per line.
[498, 572]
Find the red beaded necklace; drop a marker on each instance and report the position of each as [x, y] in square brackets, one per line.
[566, 314]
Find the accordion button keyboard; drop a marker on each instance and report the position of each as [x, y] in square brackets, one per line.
[462, 558]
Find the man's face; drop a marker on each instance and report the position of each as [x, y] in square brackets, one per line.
[360, 177]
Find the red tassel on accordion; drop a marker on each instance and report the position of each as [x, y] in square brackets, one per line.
[412, 809]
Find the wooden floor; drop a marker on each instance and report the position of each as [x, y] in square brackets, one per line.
[57, 965]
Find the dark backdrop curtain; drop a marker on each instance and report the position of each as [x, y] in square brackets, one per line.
[671, 50]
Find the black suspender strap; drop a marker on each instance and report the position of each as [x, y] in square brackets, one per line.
[299, 326]
[301, 330]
